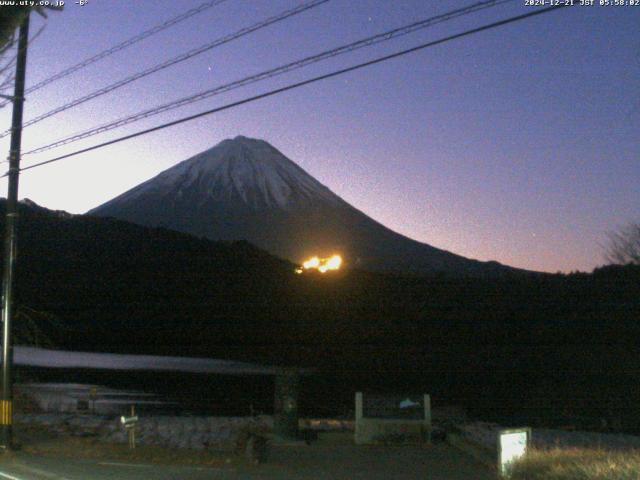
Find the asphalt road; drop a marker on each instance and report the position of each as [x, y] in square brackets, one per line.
[334, 462]
[29, 467]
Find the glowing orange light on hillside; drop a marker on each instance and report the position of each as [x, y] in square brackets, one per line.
[313, 262]
[323, 265]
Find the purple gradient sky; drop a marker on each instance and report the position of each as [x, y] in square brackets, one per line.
[519, 144]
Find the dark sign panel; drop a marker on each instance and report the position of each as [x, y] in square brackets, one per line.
[401, 407]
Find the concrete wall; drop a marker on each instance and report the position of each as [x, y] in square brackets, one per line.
[388, 430]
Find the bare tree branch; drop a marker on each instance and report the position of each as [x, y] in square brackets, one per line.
[624, 245]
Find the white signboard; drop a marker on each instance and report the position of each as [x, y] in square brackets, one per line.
[512, 444]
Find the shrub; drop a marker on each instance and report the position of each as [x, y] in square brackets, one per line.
[577, 464]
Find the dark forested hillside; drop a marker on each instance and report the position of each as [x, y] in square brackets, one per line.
[549, 343]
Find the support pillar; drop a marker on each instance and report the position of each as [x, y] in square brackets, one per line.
[285, 420]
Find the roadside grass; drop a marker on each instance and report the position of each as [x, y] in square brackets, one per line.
[577, 464]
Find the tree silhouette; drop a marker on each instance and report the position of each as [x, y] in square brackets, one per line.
[624, 245]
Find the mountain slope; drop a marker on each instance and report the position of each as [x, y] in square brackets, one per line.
[245, 189]
[117, 287]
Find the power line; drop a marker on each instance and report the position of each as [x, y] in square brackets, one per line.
[366, 42]
[121, 46]
[301, 84]
[180, 58]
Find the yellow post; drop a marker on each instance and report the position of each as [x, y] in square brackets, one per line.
[6, 412]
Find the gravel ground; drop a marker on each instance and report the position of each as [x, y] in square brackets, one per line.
[332, 456]
[316, 462]
[210, 441]
[350, 462]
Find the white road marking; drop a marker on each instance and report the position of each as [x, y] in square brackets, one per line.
[42, 473]
[9, 477]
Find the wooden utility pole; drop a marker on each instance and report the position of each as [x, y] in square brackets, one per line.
[6, 393]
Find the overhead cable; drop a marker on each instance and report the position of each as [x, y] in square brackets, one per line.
[121, 46]
[180, 58]
[301, 84]
[366, 42]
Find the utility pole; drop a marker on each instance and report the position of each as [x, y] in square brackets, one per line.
[6, 394]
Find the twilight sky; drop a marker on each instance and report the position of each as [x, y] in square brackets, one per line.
[519, 144]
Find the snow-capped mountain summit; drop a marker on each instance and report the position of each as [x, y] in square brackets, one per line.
[242, 170]
[245, 189]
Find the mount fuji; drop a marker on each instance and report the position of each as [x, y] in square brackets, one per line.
[245, 189]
